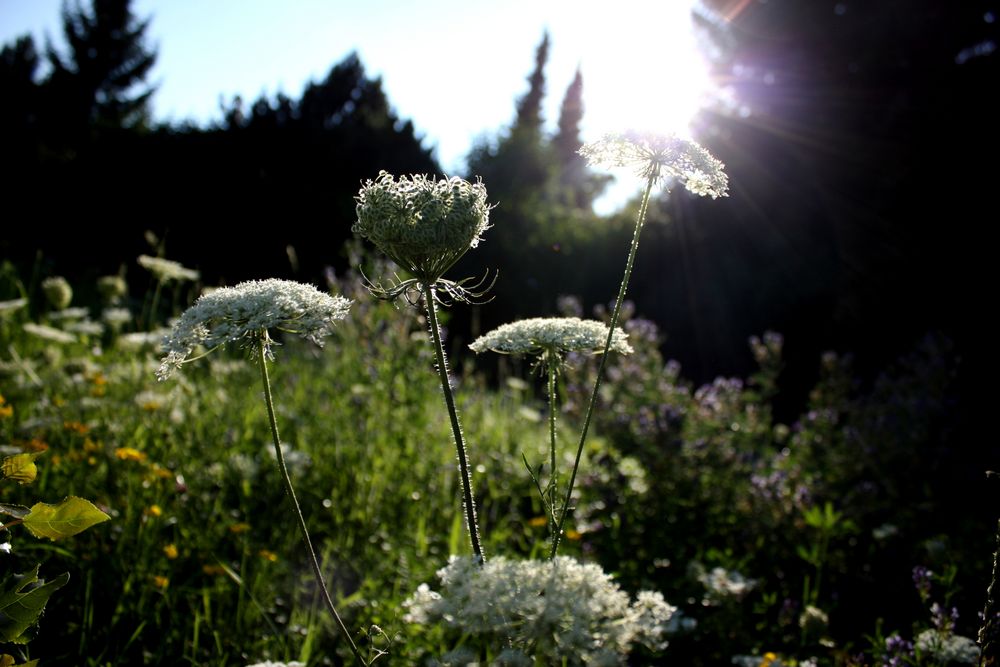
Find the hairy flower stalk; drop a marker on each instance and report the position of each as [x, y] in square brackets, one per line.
[653, 157]
[246, 314]
[550, 338]
[425, 225]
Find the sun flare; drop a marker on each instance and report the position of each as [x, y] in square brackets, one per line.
[647, 72]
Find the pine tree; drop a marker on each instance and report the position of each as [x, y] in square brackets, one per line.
[529, 107]
[100, 81]
[567, 140]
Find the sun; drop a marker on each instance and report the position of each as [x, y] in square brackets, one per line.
[647, 70]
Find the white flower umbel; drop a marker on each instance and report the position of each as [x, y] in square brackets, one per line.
[552, 611]
[11, 306]
[48, 333]
[660, 156]
[426, 225]
[243, 314]
[246, 314]
[654, 157]
[550, 338]
[947, 648]
[539, 335]
[165, 270]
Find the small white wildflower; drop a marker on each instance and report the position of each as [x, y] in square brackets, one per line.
[142, 339]
[948, 648]
[86, 327]
[554, 335]
[5, 548]
[165, 270]
[657, 156]
[112, 288]
[721, 584]
[814, 620]
[116, 317]
[423, 224]
[48, 333]
[69, 314]
[58, 291]
[12, 305]
[248, 310]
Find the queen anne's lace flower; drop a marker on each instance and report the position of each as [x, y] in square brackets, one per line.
[555, 610]
[165, 269]
[948, 648]
[48, 333]
[246, 311]
[659, 156]
[551, 334]
[422, 224]
[12, 305]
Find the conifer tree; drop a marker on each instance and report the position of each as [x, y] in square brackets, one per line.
[100, 81]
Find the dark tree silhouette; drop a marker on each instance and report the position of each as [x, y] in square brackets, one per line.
[529, 107]
[100, 81]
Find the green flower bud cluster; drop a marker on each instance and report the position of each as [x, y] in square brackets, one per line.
[57, 291]
[423, 224]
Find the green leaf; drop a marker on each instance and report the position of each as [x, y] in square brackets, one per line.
[8, 661]
[20, 467]
[71, 516]
[16, 511]
[22, 599]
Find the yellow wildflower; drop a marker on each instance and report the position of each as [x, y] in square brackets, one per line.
[160, 582]
[238, 528]
[5, 410]
[159, 471]
[268, 555]
[768, 659]
[573, 535]
[537, 522]
[153, 510]
[129, 454]
[213, 570]
[170, 551]
[76, 427]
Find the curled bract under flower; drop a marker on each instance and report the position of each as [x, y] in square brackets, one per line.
[540, 335]
[659, 156]
[423, 224]
[246, 312]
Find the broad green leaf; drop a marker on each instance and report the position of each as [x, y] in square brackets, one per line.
[22, 599]
[8, 661]
[20, 467]
[71, 516]
[18, 512]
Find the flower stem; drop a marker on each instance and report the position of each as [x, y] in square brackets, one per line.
[643, 207]
[313, 561]
[463, 462]
[551, 364]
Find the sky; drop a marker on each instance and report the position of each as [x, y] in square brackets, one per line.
[453, 68]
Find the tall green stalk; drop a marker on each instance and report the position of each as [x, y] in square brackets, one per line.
[290, 490]
[550, 364]
[643, 207]
[463, 462]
